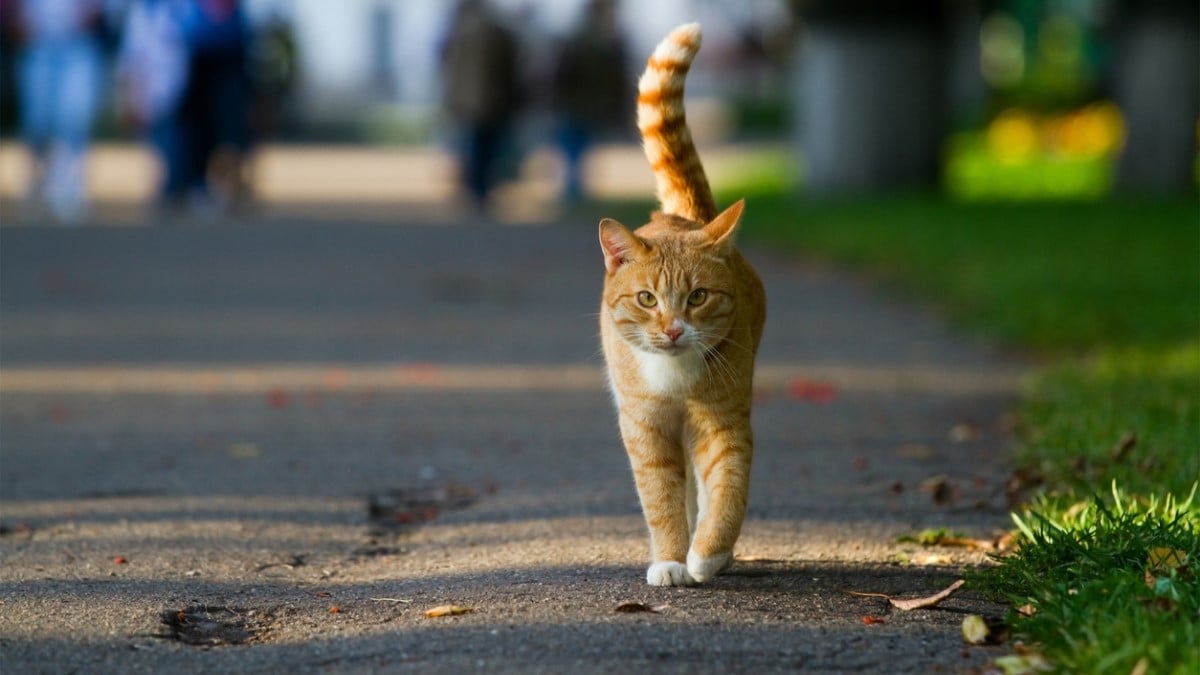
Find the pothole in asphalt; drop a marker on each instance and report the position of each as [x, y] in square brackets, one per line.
[209, 626]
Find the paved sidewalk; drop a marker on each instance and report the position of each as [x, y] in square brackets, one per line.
[377, 183]
[302, 434]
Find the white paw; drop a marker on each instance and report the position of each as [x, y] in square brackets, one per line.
[703, 569]
[668, 574]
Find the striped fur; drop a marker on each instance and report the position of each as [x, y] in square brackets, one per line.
[682, 186]
[680, 321]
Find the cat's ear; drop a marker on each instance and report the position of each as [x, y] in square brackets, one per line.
[721, 230]
[619, 244]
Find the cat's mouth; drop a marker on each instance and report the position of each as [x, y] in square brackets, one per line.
[670, 348]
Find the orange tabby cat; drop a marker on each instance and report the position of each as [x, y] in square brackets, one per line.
[680, 321]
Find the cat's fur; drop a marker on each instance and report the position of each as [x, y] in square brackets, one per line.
[680, 321]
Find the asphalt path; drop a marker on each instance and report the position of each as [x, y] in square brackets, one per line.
[273, 445]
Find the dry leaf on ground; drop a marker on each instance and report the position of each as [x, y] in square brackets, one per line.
[1025, 661]
[447, 610]
[926, 558]
[757, 559]
[1165, 558]
[908, 605]
[635, 607]
[979, 630]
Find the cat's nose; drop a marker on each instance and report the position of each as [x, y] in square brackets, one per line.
[674, 331]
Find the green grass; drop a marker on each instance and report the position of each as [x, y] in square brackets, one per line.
[1111, 291]
[1054, 277]
[1108, 583]
[1131, 416]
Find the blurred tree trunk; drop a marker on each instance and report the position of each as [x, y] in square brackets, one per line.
[1156, 83]
[870, 81]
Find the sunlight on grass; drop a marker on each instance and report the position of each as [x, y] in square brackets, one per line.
[1050, 276]
[1107, 583]
[1131, 415]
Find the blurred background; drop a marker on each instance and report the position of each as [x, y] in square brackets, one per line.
[514, 108]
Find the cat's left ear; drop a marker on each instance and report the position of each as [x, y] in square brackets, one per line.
[619, 244]
[721, 230]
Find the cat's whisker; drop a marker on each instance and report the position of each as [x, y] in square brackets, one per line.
[721, 364]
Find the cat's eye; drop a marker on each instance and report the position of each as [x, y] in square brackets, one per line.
[697, 297]
[646, 299]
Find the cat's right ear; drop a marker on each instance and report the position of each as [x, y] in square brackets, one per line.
[619, 244]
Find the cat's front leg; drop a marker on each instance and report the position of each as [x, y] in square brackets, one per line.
[722, 466]
[659, 472]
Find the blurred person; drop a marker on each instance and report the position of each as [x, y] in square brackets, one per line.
[8, 86]
[591, 88]
[152, 74]
[59, 71]
[481, 92]
[273, 63]
[215, 108]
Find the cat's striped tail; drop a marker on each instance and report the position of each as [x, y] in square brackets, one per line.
[681, 184]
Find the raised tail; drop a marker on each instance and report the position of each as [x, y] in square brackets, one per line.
[681, 184]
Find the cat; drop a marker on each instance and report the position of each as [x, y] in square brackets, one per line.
[681, 318]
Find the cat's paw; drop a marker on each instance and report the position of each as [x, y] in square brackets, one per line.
[702, 569]
[668, 574]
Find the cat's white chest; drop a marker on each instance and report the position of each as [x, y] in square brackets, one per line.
[669, 374]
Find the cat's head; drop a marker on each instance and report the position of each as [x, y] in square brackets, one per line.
[670, 288]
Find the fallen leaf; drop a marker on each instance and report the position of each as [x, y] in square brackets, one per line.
[1006, 542]
[636, 607]
[979, 630]
[908, 605]
[925, 558]
[1122, 448]
[940, 489]
[278, 398]
[335, 610]
[928, 537]
[447, 610]
[757, 558]
[1025, 663]
[1027, 610]
[871, 620]
[291, 564]
[120, 560]
[961, 433]
[974, 629]
[968, 542]
[812, 391]
[944, 537]
[929, 601]
[1165, 559]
